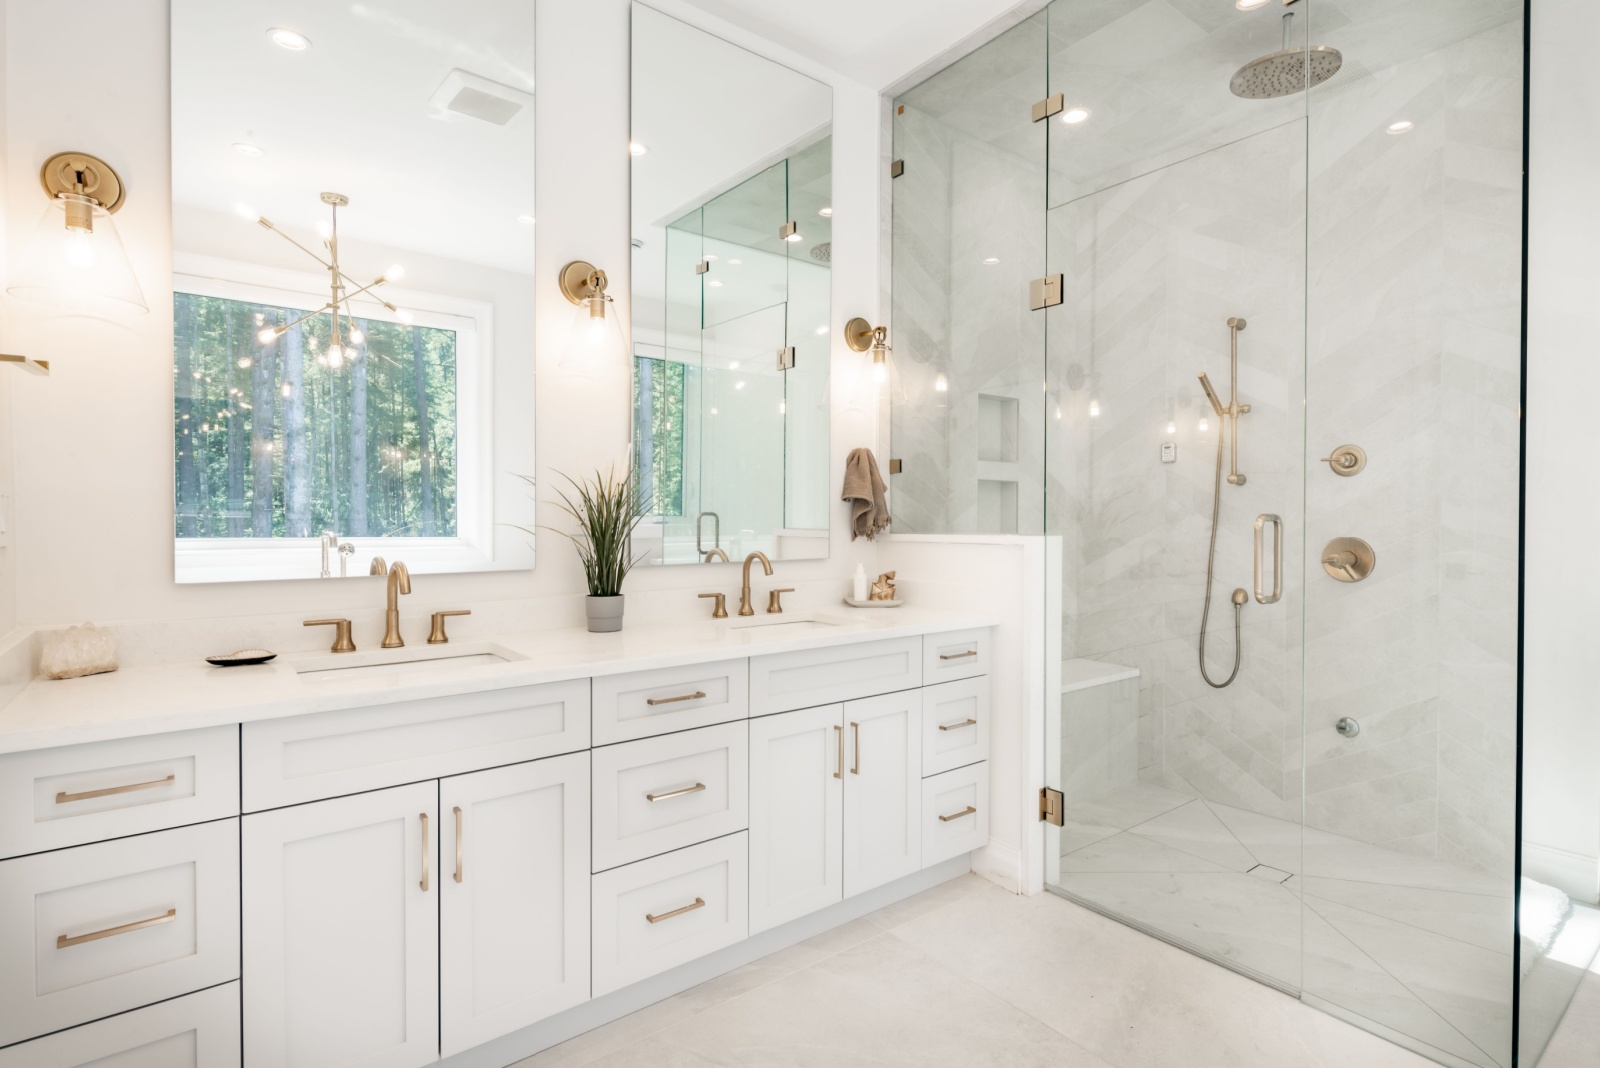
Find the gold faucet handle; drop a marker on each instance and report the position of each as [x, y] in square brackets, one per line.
[720, 609]
[437, 636]
[378, 567]
[775, 599]
[341, 635]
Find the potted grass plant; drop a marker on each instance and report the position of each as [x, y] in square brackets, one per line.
[606, 509]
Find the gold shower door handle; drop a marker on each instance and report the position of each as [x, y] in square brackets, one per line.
[1277, 558]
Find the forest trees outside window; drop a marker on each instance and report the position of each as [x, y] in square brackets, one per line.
[278, 440]
[658, 433]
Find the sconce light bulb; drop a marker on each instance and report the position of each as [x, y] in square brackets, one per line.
[403, 315]
[880, 372]
[335, 356]
[941, 384]
[1094, 408]
[79, 250]
[267, 335]
[356, 336]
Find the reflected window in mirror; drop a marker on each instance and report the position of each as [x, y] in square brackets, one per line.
[353, 335]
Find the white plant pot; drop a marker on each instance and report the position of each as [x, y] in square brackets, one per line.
[605, 613]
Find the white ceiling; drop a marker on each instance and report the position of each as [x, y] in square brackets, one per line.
[352, 115]
[874, 43]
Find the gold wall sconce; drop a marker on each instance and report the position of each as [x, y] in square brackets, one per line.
[75, 261]
[596, 336]
[862, 336]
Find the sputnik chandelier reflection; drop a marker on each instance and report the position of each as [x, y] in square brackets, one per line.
[341, 287]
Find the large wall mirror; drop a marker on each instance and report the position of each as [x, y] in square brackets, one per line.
[732, 180]
[353, 347]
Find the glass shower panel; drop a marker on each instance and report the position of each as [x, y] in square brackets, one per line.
[806, 398]
[742, 391]
[1177, 241]
[674, 379]
[968, 239]
[1414, 357]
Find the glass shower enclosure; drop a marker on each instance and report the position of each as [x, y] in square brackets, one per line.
[1243, 331]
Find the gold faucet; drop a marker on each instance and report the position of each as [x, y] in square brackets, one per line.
[399, 582]
[744, 593]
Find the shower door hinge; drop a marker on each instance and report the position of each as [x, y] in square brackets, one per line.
[1050, 105]
[786, 359]
[897, 168]
[1045, 292]
[894, 467]
[702, 267]
[788, 230]
[1051, 805]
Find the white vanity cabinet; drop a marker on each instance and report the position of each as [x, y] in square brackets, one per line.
[341, 931]
[882, 790]
[797, 769]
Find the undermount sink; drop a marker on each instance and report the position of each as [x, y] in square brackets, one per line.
[388, 664]
[758, 628]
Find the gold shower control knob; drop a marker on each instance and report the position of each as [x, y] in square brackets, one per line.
[1346, 460]
[1348, 559]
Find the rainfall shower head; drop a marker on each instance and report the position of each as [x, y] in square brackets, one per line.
[1284, 72]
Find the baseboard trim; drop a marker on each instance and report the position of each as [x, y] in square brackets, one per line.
[602, 1010]
[1001, 864]
[1573, 874]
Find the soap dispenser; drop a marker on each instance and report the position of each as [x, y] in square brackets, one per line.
[859, 590]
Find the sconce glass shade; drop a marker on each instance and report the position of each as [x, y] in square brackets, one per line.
[594, 342]
[76, 264]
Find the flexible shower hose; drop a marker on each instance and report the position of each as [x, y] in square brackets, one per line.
[1211, 559]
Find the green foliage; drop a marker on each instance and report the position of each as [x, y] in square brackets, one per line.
[607, 509]
[658, 433]
[269, 441]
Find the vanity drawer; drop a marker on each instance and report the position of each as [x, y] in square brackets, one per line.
[782, 682]
[50, 798]
[103, 928]
[644, 703]
[955, 813]
[328, 754]
[955, 724]
[956, 654]
[668, 910]
[195, 1031]
[660, 794]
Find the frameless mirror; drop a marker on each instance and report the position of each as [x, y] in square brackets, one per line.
[353, 341]
[732, 221]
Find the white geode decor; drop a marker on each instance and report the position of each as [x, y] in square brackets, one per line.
[76, 651]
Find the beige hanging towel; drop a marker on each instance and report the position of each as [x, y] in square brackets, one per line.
[864, 489]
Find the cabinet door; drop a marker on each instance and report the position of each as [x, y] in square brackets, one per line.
[341, 935]
[514, 897]
[796, 801]
[882, 790]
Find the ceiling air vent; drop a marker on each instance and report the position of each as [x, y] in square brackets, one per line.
[465, 93]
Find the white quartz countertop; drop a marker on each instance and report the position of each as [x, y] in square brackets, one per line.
[184, 696]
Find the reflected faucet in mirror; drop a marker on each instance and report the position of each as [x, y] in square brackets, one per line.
[745, 608]
[399, 582]
[716, 554]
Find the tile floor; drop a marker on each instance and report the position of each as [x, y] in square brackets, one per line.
[969, 975]
[1409, 942]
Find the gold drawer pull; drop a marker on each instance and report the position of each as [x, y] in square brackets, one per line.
[699, 903]
[63, 941]
[670, 794]
[958, 726]
[838, 733]
[62, 797]
[426, 850]
[459, 833]
[958, 656]
[698, 695]
[969, 810]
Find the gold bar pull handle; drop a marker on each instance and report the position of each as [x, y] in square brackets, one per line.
[699, 903]
[958, 726]
[426, 849]
[855, 731]
[838, 735]
[63, 797]
[958, 656]
[670, 794]
[969, 810]
[459, 846]
[698, 695]
[1262, 597]
[63, 941]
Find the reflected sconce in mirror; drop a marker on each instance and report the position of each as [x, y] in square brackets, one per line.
[862, 336]
[596, 338]
[76, 262]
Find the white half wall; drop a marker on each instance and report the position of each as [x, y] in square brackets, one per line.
[1561, 591]
[94, 489]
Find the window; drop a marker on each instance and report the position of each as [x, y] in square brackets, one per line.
[280, 440]
[658, 433]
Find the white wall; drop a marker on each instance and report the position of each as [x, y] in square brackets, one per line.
[8, 555]
[1561, 591]
[94, 488]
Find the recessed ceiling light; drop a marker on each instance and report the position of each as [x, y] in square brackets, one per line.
[1250, 5]
[797, 236]
[714, 284]
[822, 331]
[244, 148]
[733, 365]
[636, 149]
[826, 213]
[294, 42]
[1073, 116]
[735, 263]
[525, 220]
[1403, 126]
[710, 257]
[990, 261]
[738, 385]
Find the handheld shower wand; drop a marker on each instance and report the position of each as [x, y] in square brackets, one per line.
[1226, 417]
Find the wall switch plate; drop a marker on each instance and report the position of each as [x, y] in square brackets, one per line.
[1169, 452]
